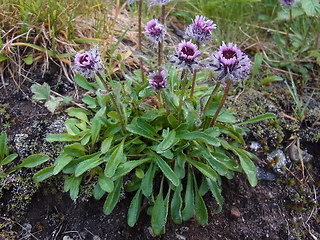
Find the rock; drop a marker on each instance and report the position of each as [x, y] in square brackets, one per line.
[66, 238]
[277, 160]
[294, 154]
[235, 212]
[255, 146]
[264, 175]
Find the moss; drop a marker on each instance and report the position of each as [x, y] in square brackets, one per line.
[32, 141]
[252, 103]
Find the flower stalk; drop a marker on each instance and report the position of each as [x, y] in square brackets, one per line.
[194, 76]
[139, 43]
[113, 101]
[214, 91]
[184, 78]
[225, 94]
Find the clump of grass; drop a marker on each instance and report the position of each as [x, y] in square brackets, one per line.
[38, 32]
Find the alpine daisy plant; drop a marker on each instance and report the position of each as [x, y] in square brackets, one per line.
[153, 140]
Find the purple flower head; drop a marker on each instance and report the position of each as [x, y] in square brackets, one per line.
[288, 3]
[158, 2]
[155, 31]
[158, 79]
[230, 62]
[187, 55]
[88, 62]
[201, 29]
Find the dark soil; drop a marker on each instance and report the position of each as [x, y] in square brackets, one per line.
[270, 210]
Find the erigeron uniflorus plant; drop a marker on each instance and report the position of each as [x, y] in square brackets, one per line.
[170, 150]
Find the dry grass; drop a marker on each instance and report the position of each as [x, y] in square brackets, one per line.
[102, 24]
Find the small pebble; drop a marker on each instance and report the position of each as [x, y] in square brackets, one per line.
[255, 146]
[277, 160]
[235, 212]
[294, 154]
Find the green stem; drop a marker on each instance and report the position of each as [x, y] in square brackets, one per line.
[113, 101]
[210, 98]
[184, 75]
[225, 94]
[139, 43]
[194, 76]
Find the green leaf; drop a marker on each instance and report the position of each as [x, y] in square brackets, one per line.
[61, 162]
[83, 82]
[257, 63]
[188, 210]
[200, 207]
[95, 130]
[87, 165]
[126, 167]
[112, 197]
[90, 101]
[64, 137]
[41, 92]
[172, 120]
[158, 217]
[224, 116]
[75, 150]
[167, 142]
[216, 193]
[145, 125]
[248, 167]
[200, 135]
[179, 163]
[134, 209]
[176, 205]
[311, 7]
[226, 161]
[98, 192]
[3, 58]
[139, 173]
[135, 129]
[28, 60]
[9, 159]
[106, 183]
[106, 144]
[34, 160]
[4, 150]
[114, 160]
[259, 118]
[204, 169]
[79, 113]
[147, 181]
[53, 103]
[43, 174]
[166, 169]
[72, 183]
[271, 79]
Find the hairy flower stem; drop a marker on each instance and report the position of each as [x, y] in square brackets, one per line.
[194, 76]
[160, 44]
[211, 97]
[113, 101]
[160, 53]
[164, 103]
[139, 41]
[225, 94]
[184, 75]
